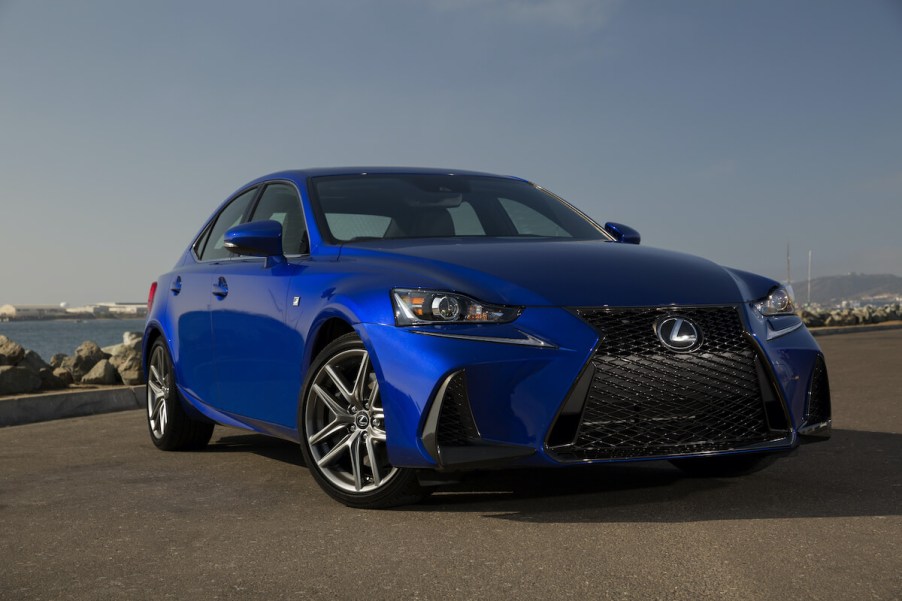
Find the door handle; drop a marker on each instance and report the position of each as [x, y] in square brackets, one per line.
[220, 288]
[176, 286]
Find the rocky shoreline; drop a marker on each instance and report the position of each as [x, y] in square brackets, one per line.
[816, 318]
[23, 371]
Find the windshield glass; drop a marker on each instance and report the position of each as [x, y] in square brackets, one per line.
[366, 207]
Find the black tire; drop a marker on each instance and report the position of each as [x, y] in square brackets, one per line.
[341, 425]
[727, 466]
[170, 427]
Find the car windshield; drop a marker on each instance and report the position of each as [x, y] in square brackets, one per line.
[376, 206]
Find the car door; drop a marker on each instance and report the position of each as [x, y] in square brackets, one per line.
[258, 357]
[191, 297]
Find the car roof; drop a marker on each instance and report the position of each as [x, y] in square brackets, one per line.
[297, 174]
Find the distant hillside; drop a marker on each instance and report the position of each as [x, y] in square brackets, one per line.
[833, 289]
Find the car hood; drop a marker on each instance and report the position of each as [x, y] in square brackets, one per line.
[557, 273]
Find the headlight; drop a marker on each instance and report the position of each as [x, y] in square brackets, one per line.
[780, 301]
[415, 307]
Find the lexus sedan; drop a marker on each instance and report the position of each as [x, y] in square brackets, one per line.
[406, 325]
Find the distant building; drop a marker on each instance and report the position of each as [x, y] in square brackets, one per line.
[88, 311]
[32, 312]
[125, 309]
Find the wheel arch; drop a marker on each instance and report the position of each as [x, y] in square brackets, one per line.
[151, 334]
[330, 329]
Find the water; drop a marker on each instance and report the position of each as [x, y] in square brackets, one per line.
[49, 337]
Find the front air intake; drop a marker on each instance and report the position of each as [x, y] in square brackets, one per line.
[817, 410]
[455, 421]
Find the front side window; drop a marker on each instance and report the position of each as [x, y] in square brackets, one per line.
[280, 202]
[362, 207]
[214, 245]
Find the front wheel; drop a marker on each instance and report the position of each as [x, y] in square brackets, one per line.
[343, 436]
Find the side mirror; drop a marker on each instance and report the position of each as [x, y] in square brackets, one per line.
[622, 233]
[255, 239]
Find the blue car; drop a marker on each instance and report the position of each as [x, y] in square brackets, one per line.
[407, 325]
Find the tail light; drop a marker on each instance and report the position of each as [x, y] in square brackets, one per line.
[150, 295]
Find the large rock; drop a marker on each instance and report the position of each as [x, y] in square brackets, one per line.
[812, 319]
[33, 361]
[131, 341]
[58, 359]
[51, 381]
[63, 375]
[18, 380]
[86, 356]
[36, 365]
[102, 373]
[11, 353]
[128, 364]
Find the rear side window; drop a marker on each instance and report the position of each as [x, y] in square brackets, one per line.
[214, 247]
[280, 202]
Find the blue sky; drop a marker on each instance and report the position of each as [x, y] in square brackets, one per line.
[719, 128]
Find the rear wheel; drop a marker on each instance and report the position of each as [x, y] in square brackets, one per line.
[170, 427]
[343, 436]
[725, 466]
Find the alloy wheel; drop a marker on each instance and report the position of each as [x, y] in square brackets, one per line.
[345, 424]
[159, 381]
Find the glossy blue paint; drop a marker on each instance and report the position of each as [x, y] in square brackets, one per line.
[515, 390]
[255, 239]
[553, 273]
[241, 330]
[622, 233]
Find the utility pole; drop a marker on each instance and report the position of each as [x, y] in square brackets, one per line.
[809, 277]
[788, 266]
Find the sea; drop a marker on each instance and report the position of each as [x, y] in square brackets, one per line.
[48, 337]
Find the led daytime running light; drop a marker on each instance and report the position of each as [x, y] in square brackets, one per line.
[417, 307]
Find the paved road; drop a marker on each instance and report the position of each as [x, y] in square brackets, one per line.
[90, 510]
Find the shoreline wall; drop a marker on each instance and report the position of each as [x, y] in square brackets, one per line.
[23, 371]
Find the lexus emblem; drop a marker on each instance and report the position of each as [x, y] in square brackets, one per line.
[678, 334]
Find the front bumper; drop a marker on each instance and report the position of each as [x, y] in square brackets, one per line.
[474, 400]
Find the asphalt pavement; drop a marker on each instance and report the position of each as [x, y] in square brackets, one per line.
[89, 509]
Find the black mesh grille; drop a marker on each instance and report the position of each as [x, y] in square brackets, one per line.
[455, 422]
[818, 410]
[647, 401]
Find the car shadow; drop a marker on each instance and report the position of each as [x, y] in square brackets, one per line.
[259, 444]
[856, 473]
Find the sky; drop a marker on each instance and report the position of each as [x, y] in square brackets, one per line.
[719, 128]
